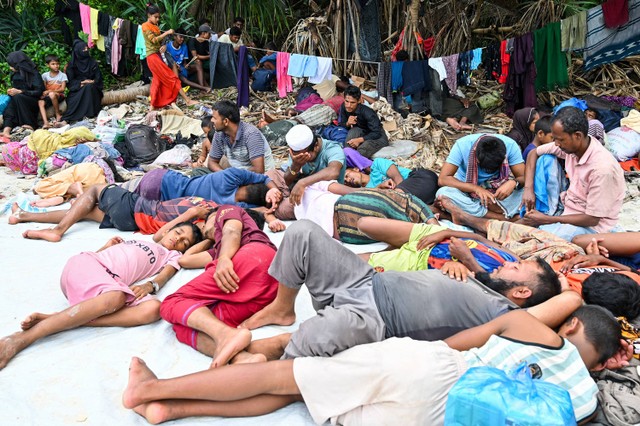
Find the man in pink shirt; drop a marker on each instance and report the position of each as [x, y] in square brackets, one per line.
[594, 198]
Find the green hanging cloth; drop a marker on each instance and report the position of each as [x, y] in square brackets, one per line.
[551, 62]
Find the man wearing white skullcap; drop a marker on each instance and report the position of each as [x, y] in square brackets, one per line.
[311, 159]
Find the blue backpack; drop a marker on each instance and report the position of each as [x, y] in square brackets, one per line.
[335, 133]
[263, 80]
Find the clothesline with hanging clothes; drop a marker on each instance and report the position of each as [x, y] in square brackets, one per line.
[259, 49]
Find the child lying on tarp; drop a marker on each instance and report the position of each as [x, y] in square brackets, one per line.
[106, 287]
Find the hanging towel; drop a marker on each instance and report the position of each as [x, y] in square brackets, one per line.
[616, 13]
[223, 69]
[324, 70]
[85, 17]
[438, 65]
[243, 77]
[464, 68]
[606, 45]
[103, 24]
[451, 65]
[415, 77]
[95, 33]
[303, 65]
[116, 47]
[477, 58]
[282, 69]
[383, 82]
[108, 40]
[551, 63]
[574, 32]
[396, 75]
[141, 48]
[505, 57]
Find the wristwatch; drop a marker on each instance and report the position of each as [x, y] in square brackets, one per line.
[156, 287]
[293, 173]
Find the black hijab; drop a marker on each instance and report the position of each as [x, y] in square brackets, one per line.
[520, 130]
[81, 58]
[23, 65]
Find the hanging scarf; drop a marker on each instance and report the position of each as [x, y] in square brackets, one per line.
[472, 171]
[520, 128]
[23, 65]
[80, 58]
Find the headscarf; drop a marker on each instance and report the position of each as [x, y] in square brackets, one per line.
[22, 64]
[520, 129]
[81, 58]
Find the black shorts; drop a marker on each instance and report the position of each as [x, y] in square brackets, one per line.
[118, 205]
[422, 183]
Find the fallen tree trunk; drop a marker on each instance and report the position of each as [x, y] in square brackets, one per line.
[124, 95]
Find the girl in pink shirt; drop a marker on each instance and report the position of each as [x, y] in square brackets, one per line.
[103, 287]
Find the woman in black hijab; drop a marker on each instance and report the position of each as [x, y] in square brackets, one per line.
[85, 84]
[26, 89]
[524, 121]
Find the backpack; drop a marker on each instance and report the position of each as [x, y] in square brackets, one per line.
[335, 133]
[143, 143]
[263, 80]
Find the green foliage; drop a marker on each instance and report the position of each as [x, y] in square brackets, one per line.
[37, 51]
[173, 14]
[5, 77]
[19, 28]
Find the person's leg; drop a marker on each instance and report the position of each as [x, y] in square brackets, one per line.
[617, 243]
[279, 312]
[130, 316]
[85, 205]
[43, 114]
[187, 100]
[309, 255]
[188, 82]
[72, 317]
[20, 216]
[56, 105]
[370, 147]
[390, 231]
[229, 383]
[565, 231]
[461, 217]
[172, 409]
[199, 72]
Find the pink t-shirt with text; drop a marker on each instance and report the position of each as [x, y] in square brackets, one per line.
[134, 260]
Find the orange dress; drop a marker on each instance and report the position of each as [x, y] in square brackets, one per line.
[165, 85]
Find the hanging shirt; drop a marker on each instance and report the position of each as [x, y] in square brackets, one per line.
[477, 58]
[438, 65]
[573, 32]
[302, 65]
[144, 47]
[324, 72]
[85, 17]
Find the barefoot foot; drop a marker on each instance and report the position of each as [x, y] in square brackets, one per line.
[229, 344]
[10, 346]
[42, 234]
[139, 376]
[15, 214]
[245, 357]
[33, 319]
[271, 314]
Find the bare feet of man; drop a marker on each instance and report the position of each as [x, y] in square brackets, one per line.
[271, 314]
[228, 344]
[43, 234]
[139, 376]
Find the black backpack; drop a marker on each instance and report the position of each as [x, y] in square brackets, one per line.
[142, 143]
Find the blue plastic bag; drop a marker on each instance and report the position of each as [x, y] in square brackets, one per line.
[489, 396]
[4, 102]
[573, 102]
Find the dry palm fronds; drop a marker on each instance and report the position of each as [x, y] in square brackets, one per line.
[311, 36]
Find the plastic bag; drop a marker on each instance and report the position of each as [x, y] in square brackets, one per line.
[489, 396]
